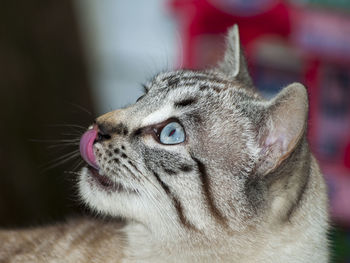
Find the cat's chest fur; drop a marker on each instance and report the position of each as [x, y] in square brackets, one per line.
[202, 169]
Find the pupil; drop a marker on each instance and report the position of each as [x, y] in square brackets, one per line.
[172, 132]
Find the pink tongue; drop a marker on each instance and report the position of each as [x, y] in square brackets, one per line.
[86, 147]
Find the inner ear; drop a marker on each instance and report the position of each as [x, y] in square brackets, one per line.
[284, 125]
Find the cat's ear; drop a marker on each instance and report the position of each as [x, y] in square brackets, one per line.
[234, 63]
[283, 126]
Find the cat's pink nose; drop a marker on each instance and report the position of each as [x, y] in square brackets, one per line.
[86, 146]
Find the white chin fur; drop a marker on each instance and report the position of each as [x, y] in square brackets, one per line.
[116, 204]
[100, 200]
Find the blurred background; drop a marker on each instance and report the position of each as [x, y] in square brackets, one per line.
[62, 63]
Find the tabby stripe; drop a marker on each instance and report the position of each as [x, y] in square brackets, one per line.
[215, 88]
[201, 83]
[206, 78]
[131, 173]
[185, 103]
[174, 82]
[134, 166]
[177, 204]
[183, 75]
[207, 193]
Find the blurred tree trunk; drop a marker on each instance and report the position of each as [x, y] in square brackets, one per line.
[42, 76]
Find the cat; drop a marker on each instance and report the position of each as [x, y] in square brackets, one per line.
[201, 169]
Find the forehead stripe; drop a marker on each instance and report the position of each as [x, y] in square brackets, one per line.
[185, 102]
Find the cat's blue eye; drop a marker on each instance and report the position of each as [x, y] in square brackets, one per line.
[172, 133]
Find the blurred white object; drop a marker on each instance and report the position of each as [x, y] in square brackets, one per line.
[126, 42]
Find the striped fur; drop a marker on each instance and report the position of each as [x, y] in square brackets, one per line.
[242, 187]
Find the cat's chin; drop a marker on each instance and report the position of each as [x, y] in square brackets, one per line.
[102, 198]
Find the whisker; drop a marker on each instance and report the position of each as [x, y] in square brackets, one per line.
[151, 196]
[55, 140]
[67, 155]
[78, 164]
[61, 161]
[74, 179]
[63, 145]
[73, 134]
[80, 107]
[68, 125]
[72, 172]
[152, 183]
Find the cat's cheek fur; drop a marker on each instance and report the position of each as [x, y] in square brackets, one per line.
[146, 207]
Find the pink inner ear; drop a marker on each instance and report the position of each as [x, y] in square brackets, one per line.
[278, 139]
[86, 147]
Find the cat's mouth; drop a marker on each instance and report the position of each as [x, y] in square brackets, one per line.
[96, 176]
[105, 182]
[87, 152]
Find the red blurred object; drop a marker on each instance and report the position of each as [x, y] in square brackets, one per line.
[201, 17]
[347, 156]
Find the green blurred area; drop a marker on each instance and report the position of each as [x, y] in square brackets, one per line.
[338, 4]
[340, 244]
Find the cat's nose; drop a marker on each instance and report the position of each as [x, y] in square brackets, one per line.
[103, 132]
[108, 125]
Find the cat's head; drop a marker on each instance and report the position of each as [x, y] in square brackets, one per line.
[196, 152]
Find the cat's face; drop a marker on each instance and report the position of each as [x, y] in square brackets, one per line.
[196, 179]
[191, 153]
